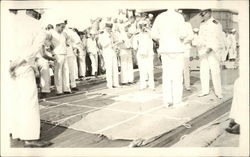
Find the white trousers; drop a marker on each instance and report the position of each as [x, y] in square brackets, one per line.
[232, 53]
[111, 67]
[72, 70]
[210, 62]
[26, 114]
[82, 65]
[146, 70]
[235, 108]
[172, 77]
[94, 62]
[43, 66]
[61, 74]
[186, 72]
[127, 71]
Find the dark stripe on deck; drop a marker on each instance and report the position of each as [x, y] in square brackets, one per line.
[170, 138]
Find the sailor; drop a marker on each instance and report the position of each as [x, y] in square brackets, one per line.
[92, 50]
[61, 64]
[25, 114]
[170, 35]
[72, 41]
[235, 118]
[210, 45]
[127, 73]
[187, 45]
[42, 63]
[143, 44]
[108, 46]
[82, 56]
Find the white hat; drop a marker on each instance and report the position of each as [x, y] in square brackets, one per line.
[59, 21]
[196, 29]
[150, 15]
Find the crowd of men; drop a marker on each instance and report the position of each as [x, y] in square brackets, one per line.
[68, 52]
[123, 41]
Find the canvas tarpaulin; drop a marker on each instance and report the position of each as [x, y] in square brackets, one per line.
[132, 118]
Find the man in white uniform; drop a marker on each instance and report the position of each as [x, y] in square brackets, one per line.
[234, 125]
[71, 57]
[187, 45]
[127, 72]
[168, 29]
[210, 45]
[42, 63]
[143, 44]
[92, 50]
[82, 56]
[25, 112]
[61, 63]
[107, 44]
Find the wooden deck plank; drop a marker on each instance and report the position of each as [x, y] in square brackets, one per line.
[170, 138]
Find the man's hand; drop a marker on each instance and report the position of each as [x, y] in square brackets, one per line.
[191, 58]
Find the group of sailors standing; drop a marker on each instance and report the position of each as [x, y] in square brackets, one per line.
[118, 43]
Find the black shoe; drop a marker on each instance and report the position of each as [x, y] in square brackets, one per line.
[232, 123]
[36, 143]
[75, 89]
[44, 95]
[67, 92]
[58, 94]
[234, 130]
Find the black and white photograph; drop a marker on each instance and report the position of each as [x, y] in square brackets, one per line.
[131, 77]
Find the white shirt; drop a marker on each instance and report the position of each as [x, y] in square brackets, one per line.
[92, 46]
[169, 27]
[210, 36]
[144, 44]
[59, 42]
[105, 40]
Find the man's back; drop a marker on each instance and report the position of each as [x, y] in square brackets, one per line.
[168, 28]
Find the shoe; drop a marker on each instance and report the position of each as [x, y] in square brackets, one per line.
[96, 74]
[36, 143]
[188, 89]
[234, 130]
[110, 87]
[167, 105]
[74, 89]
[232, 123]
[58, 94]
[44, 95]
[181, 104]
[67, 92]
[117, 86]
[219, 96]
[202, 95]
